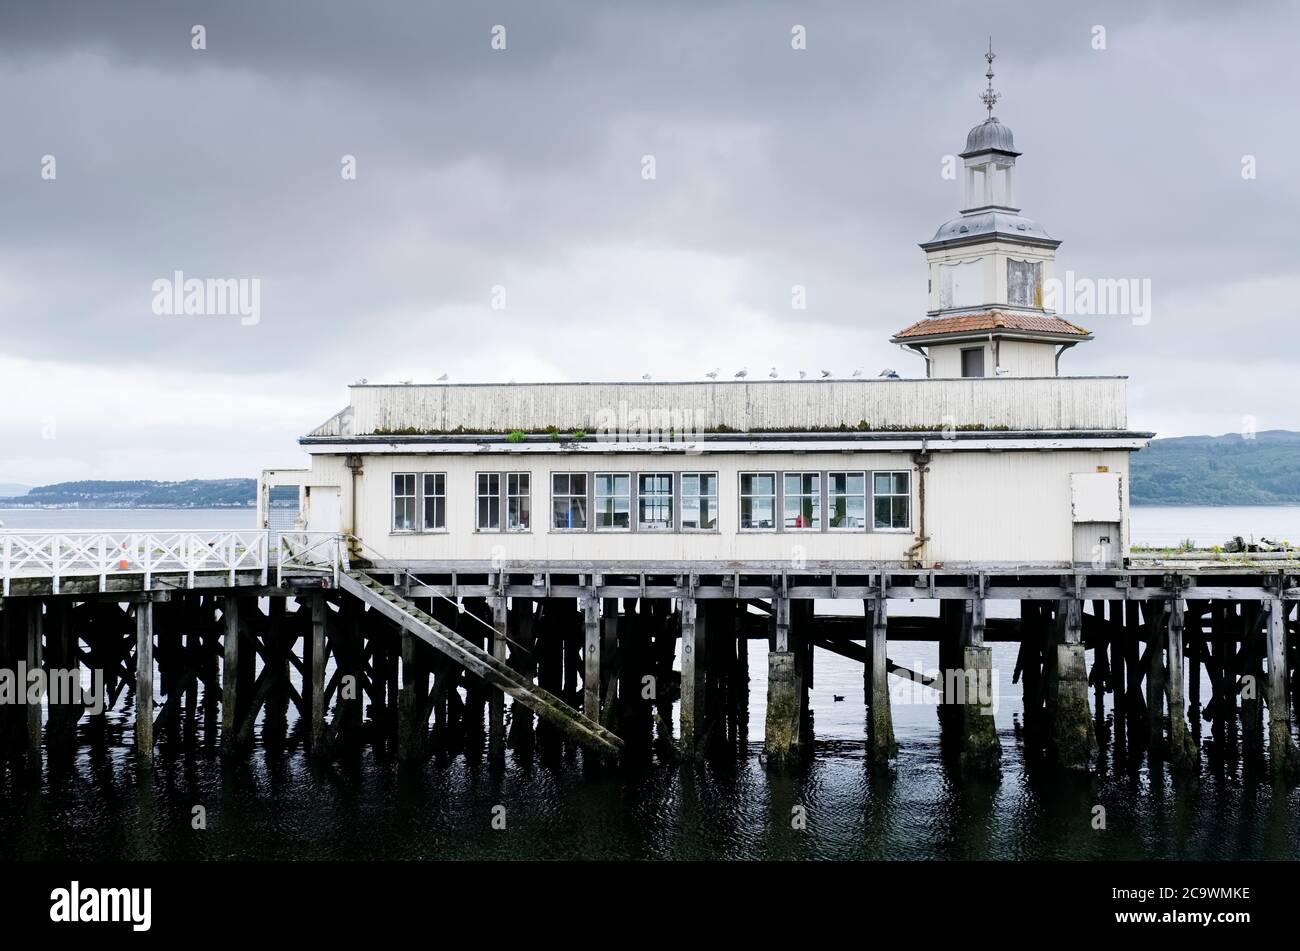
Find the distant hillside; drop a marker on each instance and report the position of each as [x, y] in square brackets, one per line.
[140, 494]
[1218, 470]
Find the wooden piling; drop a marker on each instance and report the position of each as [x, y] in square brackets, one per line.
[319, 617]
[1182, 750]
[694, 643]
[881, 744]
[144, 679]
[497, 698]
[1283, 755]
[782, 735]
[591, 656]
[980, 750]
[1072, 741]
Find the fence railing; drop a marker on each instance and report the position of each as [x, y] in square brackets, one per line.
[59, 555]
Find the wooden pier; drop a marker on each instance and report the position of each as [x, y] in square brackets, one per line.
[432, 659]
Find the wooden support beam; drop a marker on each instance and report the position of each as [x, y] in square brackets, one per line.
[881, 744]
[694, 643]
[229, 673]
[1073, 742]
[144, 680]
[1283, 755]
[1156, 624]
[497, 698]
[35, 661]
[319, 616]
[1182, 750]
[785, 690]
[591, 657]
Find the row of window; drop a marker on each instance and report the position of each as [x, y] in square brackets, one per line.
[664, 501]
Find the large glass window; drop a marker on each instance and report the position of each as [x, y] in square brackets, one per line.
[435, 501]
[488, 498]
[891, 494]
[569, 500]
[699, 501]
[803, 500]
[403, 501]
[847, 499]
[613, 500]
[518, 508]
[757, 501]
[655, 501]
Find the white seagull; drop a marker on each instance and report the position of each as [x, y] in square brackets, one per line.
[443, 378]
[645, 376]
[825, 374]
[773, 373]
[857, 372]
[803, 374]
[712, 374]
[742, 373]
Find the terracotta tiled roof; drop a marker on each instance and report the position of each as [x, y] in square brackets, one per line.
[991, 320]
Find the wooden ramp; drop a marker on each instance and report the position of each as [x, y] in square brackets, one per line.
[479, 662]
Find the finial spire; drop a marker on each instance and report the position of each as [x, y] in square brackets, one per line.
[989, 97]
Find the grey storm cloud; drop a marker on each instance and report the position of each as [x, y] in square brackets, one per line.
[521, 168]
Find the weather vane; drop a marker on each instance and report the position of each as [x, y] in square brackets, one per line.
[989, 97]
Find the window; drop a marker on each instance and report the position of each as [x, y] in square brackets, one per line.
[891, 494]
[962, 284]
[655, 501]
[699, 501]
[847, 499]
[972, 361]
[757, 501]
[803, 501]
[1025, 283]
[518, 508]
[489, 502]
[569, 500]
[435, 501]
[403, 501]
[613, 500]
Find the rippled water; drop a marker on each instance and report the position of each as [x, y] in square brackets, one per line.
[272, 804]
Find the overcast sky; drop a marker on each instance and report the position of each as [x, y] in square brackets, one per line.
[522, 168]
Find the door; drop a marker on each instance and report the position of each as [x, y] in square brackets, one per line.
[1095, 505]
[323, 513]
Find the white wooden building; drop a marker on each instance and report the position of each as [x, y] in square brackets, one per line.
[992, 458]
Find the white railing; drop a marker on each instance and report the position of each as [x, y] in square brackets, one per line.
[59, 555]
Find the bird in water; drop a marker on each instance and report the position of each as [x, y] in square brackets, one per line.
[838, 697]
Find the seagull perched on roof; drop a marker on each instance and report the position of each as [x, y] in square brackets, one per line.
[825, 374]
[889, 375]
[645, 376]
[712, 374]
[406, 382]
[443, 378]
[857, 372]
[773, 373]
[803, 374]
[742, 373]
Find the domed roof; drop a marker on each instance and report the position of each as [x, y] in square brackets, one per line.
[990, 135]
[986, 224]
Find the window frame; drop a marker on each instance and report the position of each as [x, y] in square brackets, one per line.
[865, 496]
[681, 495]
[585, 496]
[424, 497]
[415, 503]
[816, 495]
[983, 352]
[892, 495]
[741, 496]
[631, 501]
[507, 497]
[479, 495]
[640, 496]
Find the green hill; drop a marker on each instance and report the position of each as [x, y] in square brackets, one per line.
[1218, 470]
[139, 494]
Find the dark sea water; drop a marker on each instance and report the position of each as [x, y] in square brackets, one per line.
[273, 803]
